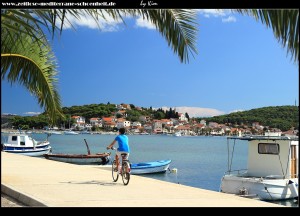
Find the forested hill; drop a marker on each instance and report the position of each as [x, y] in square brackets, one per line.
[282, 117]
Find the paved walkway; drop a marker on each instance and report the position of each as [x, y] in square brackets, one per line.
[7, 201]
[40, 182]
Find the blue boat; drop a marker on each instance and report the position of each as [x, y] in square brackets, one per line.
[159, 166]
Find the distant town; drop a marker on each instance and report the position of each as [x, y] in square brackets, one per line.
[179, 125]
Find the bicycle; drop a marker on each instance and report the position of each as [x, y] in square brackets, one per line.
[125, 168]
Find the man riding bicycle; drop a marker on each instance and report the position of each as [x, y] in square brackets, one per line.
[123, 145]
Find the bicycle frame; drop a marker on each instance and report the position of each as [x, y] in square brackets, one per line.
[125, 168]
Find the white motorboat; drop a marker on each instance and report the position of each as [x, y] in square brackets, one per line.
[272, 169]
[53, 132]
[70, 132]
[177, 134]
[24, 144]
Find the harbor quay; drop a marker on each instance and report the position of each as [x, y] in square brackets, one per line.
[38, 182]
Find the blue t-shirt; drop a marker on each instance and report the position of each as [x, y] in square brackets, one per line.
[123, 143]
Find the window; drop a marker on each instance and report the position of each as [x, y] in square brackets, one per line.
[22, 140]
[14, 138]
[268, 148]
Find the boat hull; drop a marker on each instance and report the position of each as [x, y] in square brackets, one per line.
[97, 159]
[29, 151]
[150, 167]
[262, 188]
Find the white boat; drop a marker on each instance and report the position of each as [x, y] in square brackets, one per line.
[70, 132]
[272, 169]
[53, 132]
[178, 134]
[24, 144]
[150, 167]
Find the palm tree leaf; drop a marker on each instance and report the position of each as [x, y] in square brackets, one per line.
[285, 26]
[178, 26]
[32, 65]
[27, 58]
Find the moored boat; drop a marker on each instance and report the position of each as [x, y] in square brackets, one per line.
[84, 159]
[53, 132]
[87, 159]
[159, 166]
[24, 144]
[70, 132]
[272, 169]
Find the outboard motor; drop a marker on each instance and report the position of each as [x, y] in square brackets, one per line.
[293, 188]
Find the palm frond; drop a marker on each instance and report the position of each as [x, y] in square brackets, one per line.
[32, 65]
[285, 26]
[178, 26]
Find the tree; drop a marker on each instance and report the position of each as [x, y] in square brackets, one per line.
[30, 62]
[187, 116]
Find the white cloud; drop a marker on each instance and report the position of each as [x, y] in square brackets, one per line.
[140, 22]
[197, 111]
[8, 114]
[32, 113]
[107, 25]
[229, 19]
[213, 12]
[222, 13]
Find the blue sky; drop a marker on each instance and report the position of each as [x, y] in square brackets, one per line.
[240, 66]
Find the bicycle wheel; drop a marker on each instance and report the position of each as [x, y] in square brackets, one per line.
[114, 171]
[125, 172]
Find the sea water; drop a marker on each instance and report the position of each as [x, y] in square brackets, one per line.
[200, 161]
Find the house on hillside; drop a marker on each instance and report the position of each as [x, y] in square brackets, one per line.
[122, 123]
[157, 127]
[79, 122]
[145, 119]
[109, 122]
[96, 122]
[181, 117]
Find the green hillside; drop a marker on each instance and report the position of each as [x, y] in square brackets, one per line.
[281, 117]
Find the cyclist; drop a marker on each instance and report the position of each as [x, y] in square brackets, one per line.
[123, 145]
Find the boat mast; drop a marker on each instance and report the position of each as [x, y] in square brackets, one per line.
[87, 146]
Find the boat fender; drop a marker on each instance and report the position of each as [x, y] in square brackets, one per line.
[174, 170]
[293, 188]
[243, 191]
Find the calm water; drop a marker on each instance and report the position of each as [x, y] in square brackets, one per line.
[200, 161]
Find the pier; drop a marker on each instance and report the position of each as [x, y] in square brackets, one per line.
[40, 182]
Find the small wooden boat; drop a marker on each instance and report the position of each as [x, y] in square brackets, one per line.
[159, 166]
[99, 158]
[88, 159]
